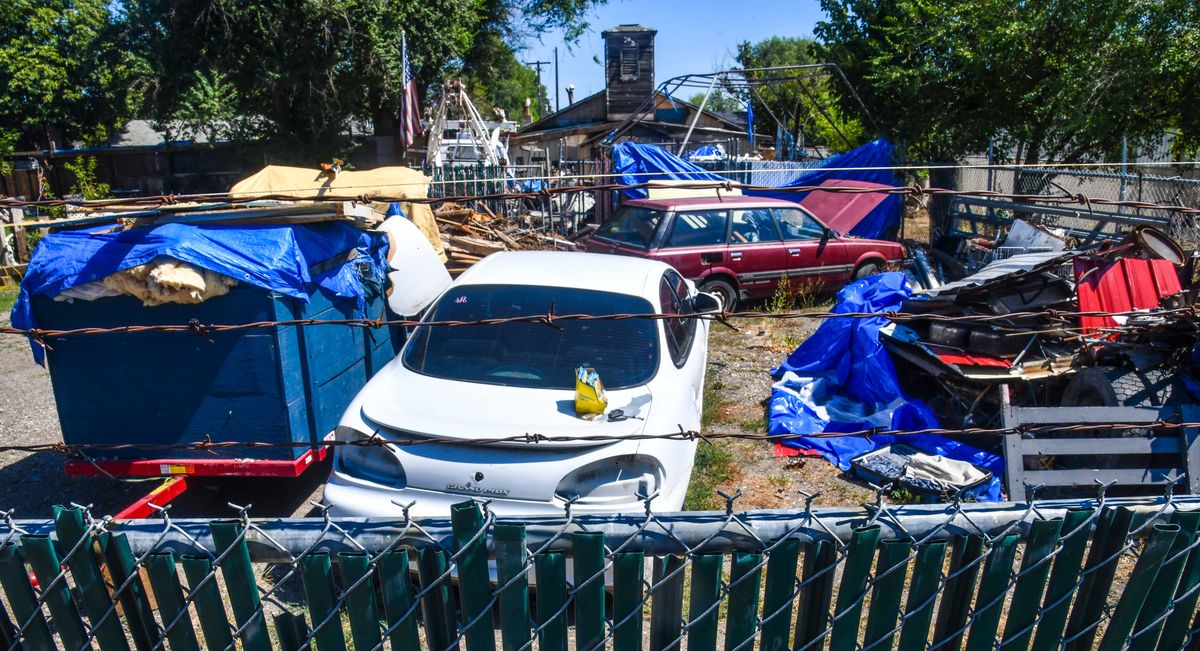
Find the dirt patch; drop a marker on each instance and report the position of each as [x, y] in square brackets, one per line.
[737, 393]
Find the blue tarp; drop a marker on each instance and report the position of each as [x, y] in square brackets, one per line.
[841, 379]
[876, 154]
[636, 163]
[272, 257]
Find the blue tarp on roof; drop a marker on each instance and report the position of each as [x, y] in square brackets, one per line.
[841, 379]
[272, 257]
[636, 163]
[876, 154]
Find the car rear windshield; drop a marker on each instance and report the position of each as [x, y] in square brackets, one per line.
[536, 355]
[631, 225]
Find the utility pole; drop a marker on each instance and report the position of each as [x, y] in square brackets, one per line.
[537, 65]
[556, 107]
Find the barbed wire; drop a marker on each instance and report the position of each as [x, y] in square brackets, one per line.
[914, 190]
[196, 327]
[208, 445]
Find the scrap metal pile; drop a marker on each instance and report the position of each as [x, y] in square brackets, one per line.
[1038, 323]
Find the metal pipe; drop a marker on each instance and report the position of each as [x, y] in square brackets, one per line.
[935, 521]
[699, 112]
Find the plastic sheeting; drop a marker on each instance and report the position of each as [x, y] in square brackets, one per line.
[635, 163]
[841, 379]
[866, 215]
[881, 218]
[272, 257]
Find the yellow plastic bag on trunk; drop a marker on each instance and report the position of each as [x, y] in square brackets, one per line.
[589, 392]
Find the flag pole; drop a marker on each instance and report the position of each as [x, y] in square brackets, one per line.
[403, 95]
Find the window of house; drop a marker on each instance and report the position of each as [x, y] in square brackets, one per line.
[629, 61]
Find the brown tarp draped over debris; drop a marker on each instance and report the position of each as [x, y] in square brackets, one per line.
[380, 182]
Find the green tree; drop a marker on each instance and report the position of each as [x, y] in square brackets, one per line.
[808, 104]
[1062, 80]
[719, 101]
[66, 73]
[302, 73]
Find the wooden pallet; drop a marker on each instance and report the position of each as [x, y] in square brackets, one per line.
[1183, 443]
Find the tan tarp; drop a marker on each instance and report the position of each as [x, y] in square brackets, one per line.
[380, 182]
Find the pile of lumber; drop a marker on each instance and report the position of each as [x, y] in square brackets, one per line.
[469, 235]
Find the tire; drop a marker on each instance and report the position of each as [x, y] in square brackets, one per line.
[1118, 387]
[867, 269]
[723, 289]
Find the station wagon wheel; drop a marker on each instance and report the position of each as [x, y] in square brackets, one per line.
[868, 269]
[723, 289]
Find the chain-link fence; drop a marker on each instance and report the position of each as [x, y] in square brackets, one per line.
[1111, 573]
[1086, 220]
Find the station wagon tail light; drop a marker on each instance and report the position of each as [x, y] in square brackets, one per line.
[615, 480]
[374, 463]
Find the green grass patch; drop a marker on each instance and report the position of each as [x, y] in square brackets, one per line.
[713, 401]
[714, 466]
[8, 296]
[755, 425]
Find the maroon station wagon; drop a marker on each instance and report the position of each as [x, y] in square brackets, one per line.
[741, 247]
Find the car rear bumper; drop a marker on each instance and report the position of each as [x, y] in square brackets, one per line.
[351, 497]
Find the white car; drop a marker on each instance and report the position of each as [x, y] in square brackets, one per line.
[452, 385]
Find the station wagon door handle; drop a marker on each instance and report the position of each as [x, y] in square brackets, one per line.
[794, 251]
[736, 255]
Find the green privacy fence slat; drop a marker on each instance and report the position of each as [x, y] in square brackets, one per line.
[68, 524]
[745, 573]
[1093, 591]
[589, 586]
[432, 565]
[240, 584]
[291, 630]
[360, 602]
[885, 596]
[927, 573]
[168, 595]
[8, 630]
[316, 573]
[628, 574]
[1178, 625]
[706, 591]
[812, 611]
[956, 596]
[121, 566]
[475, 591]
[777, 595]
[551, 569]
[1137, 588]
[1035, 567]
[859, 555]
[15, 581]
[210, 609]
[398, 599]
[1064, 574]
[1172, 575]
[666, 607]
[511, 556]
[990, 601]
[63, 612]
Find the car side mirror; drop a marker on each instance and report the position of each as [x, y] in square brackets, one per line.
[705, 303]
[826, 233]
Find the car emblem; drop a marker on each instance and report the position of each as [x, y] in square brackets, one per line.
[472, 487]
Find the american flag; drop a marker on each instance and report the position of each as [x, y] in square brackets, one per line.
[410, 106]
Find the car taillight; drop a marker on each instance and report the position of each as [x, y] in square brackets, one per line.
[374, 463]
[616, 480]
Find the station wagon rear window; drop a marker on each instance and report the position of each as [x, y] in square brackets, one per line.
[631, 225]
[536, 355]
[699, 228]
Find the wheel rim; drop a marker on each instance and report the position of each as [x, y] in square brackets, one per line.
[724, 293]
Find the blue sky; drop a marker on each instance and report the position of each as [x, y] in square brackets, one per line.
[694, 36]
